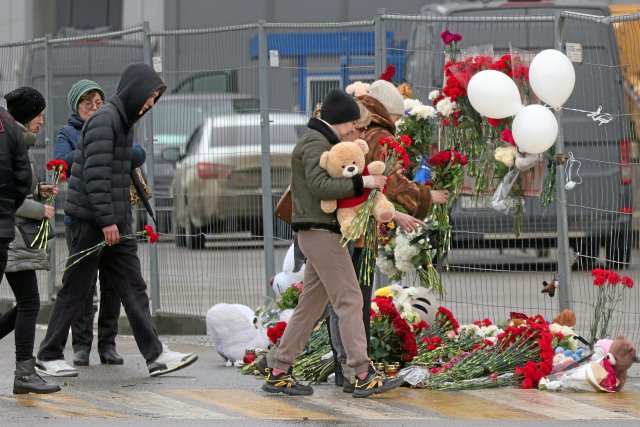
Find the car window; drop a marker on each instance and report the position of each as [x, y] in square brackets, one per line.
[250, 135]
[178, 118]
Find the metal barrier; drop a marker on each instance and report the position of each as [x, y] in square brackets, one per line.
[238, 97]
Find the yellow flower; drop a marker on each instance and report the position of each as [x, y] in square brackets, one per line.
[391, 225]
[383, 292]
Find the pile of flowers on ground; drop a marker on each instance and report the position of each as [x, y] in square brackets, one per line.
[392, 339]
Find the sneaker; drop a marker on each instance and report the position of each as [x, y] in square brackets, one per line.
[348, 385]
[286, 383]
[170, 361]
[374, 383]
[262, 366]
[56, 368]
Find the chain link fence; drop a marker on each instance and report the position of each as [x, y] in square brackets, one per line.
[218, 144]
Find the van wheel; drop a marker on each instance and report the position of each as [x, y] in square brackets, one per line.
[195, 237]
[618, 249]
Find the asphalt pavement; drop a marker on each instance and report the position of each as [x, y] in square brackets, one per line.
[209, 393]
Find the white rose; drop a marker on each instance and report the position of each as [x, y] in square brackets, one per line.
[506, 155]
[434, 94]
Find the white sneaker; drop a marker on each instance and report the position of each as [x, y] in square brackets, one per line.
[56, 368]
[170, 361]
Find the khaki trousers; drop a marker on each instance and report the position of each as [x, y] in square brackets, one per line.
[329, 276]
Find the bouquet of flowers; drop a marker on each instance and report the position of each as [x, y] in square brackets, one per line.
[394, 156]
[446, 174]
[418, 123]
[610, 291]
[312, 365]
[147, 234]
[59, 170]
[400, 253]
[525, 349]
[289, 298]
[392, 339]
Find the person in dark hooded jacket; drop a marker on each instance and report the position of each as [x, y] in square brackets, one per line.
[99, 205]
[85, 98]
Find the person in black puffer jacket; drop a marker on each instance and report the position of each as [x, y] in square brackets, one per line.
[27, 109]
[85, 98]
[99, 205]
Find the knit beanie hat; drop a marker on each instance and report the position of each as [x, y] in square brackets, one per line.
[80, 88]
[339, 107]
[388, 95]
[25, 103]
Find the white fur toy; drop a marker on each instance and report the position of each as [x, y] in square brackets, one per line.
[287, 277]
[233, 331]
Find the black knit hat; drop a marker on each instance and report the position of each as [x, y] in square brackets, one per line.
[339, 107]
[25, 103]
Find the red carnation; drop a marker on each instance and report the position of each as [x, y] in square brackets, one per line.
[388, 73]
[627, 281]
[275, 333]
[152, 235]
[507, 136]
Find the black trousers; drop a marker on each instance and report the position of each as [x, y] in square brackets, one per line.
[122, 265]
[22, 317]
[82, 326]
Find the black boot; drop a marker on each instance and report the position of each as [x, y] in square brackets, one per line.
[28, 381]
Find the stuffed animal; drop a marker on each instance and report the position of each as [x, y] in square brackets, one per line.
[346, 160]
[418, 300]
[550, 288]
[287, 277]
[623, 355]
[233, 330]
[566, 318]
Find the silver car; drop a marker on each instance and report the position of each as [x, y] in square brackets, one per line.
[217, 184]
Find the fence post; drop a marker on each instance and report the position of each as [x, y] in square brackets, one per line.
[48, 143]
[148, 138]
[381, 43]
[565, 291]
[267, 205]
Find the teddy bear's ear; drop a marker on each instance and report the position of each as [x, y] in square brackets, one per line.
[324, 158]
[363, 145]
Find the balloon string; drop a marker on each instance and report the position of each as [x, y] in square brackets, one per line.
[569, 182]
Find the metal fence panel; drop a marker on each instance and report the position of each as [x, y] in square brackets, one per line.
[490, 272]
[208, 142]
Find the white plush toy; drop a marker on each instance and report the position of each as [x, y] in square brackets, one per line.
[287, 277]
[417, 299]
[234, 328]
[233, 331]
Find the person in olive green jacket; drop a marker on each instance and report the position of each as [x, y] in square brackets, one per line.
[329, 273]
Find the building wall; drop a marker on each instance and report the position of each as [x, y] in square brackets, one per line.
[15, 20]
[135, 12]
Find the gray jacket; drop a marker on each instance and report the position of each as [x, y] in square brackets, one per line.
[21, 256]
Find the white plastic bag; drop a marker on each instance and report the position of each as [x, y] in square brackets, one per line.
[502, 200]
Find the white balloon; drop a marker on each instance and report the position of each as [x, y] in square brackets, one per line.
[552, 77]
[493, 94]
[534, 129]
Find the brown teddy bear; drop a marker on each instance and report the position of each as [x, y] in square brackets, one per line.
[345, 160]
[624, 355]
[566, 318]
